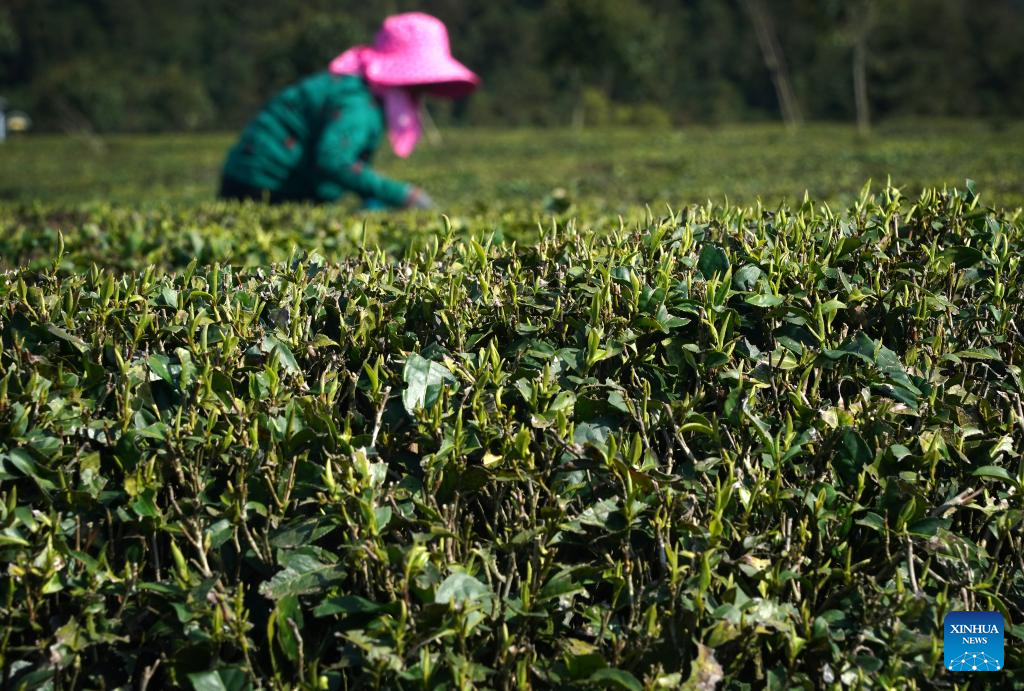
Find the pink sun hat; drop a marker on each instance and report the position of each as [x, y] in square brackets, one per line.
[411, 49]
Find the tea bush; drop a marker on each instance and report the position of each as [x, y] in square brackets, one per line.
[736, 446]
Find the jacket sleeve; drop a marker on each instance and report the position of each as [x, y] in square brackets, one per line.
[338, 159]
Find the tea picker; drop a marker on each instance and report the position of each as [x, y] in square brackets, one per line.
[315, 140]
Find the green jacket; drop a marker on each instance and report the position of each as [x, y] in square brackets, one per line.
[314, 141]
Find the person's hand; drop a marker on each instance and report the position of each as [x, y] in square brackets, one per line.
[418, 199]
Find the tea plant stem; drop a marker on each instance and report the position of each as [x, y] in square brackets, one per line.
[147, 674]
[910, 567]
[380, 414]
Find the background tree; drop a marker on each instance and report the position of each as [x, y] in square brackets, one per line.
[862, 20]
[774, 60]
[595, 43]
[853, 22]
[131, 65]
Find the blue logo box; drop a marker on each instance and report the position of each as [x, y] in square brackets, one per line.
[973, 641]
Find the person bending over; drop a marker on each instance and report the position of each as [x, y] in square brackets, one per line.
[314, 141]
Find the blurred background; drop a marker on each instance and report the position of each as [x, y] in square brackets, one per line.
[613, 102]
[199, 65]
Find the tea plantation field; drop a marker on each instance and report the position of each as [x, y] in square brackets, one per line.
[553, 439]
[479, 170]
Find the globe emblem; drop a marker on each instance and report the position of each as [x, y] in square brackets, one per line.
[974, 662]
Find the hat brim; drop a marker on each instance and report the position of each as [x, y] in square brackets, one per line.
[445, 76]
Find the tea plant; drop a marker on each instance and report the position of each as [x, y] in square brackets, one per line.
[733, 446]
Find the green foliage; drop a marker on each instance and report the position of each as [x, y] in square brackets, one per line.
[764, 446]
[106, 64]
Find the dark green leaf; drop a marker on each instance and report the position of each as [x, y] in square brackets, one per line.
[713, 260]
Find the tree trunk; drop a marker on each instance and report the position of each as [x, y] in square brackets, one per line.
[863, 21]
[774, 60]
[577, 117]
[860, 85]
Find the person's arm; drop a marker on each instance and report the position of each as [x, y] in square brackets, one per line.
[417, 199]
[342, 169]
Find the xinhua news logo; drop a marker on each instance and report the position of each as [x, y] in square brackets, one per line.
[973, 641]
